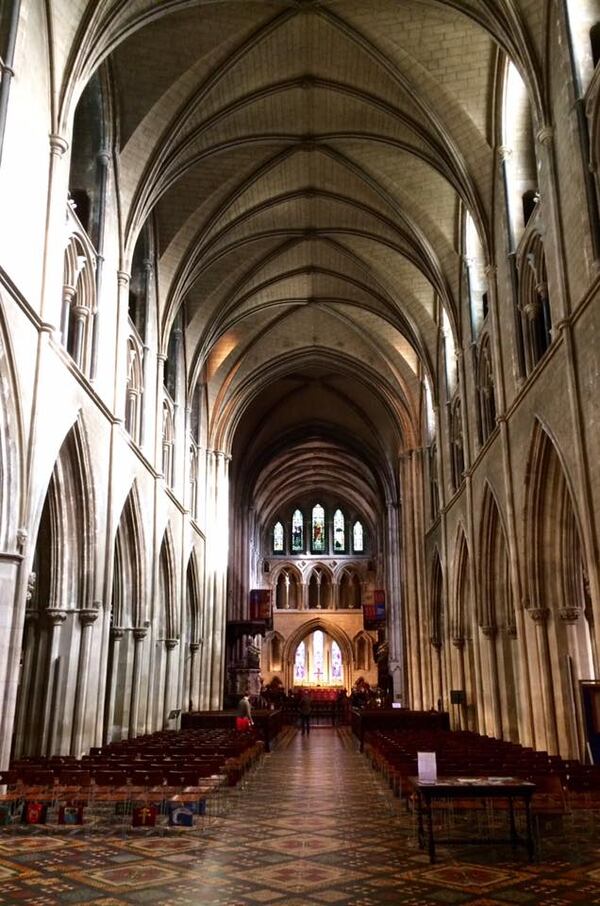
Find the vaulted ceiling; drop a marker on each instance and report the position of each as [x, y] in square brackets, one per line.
[306, 162]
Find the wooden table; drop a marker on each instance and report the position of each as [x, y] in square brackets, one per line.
[510, 788]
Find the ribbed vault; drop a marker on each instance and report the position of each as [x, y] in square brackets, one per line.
[306, 166]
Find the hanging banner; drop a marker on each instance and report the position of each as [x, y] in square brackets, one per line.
[260, 604]
[374, 614]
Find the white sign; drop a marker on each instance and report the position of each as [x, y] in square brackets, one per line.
[427, 767]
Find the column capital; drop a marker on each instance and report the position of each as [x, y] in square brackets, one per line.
[123, 278]
[31, 615]
[170, 644]
[58, 144]
[489, 630]
[545, 135]
[140, 633]
[504, 153]
[103, 157]
[511, 630]
[194, 646]
[88, 615]
[569, 614]
[538, 614]
[56, 615]
[117, 632]
[458, 642]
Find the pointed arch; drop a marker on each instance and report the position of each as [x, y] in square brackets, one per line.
[11, 442]
[461, 604]
[436, 600]
[168, 620]
[129, 575]
[553, 533]
[496, 599]
[349, 594]
[193, 599]
[64, 573]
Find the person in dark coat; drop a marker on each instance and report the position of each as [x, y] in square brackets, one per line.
[304, 709]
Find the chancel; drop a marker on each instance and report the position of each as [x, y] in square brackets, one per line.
[299, 368]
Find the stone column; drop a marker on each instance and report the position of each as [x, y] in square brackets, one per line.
[459, 644]
[139, 634]
[50, 714]
[27, 670]
[438, 685]
[395, 617]
[170, 645]
[539, 615]
[116, 634]
[53, 263]
[193, 694]
[87, 618]
[68, 294]
[103, 159]
[570, 617]
[490, 632]
[304, 595]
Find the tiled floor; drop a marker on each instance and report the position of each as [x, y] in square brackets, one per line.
[314, 825]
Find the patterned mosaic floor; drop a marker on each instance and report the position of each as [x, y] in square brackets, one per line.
[314, 825]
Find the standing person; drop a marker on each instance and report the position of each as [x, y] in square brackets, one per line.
[244, 719]
[305, 708]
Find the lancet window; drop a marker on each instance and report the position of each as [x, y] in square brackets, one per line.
[339, 532]
[318, 529]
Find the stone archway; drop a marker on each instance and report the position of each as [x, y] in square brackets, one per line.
[334, 632]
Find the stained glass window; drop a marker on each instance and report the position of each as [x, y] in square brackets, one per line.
[339, 532]
[300, 663]
[318, 529]
[278, 538]
[297, 531]
[318, 669]
[358, 543]
[336, 663]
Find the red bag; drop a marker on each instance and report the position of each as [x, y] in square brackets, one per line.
[242, 723]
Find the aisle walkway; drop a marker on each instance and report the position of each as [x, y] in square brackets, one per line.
[314, 826]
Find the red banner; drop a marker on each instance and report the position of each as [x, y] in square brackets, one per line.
[374, 614]
[260, 604]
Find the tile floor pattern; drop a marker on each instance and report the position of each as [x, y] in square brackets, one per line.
[314, 825]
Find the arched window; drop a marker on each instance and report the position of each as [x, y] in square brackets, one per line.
[485, 391]
[317, 671]
[457, 453]
[172, 362]
[475, 263]
[336, 663]
[434, 482]
[300, 663]
[520, 169]
[133, 401]
[194, 480]
[278, 539]
[79, 296]
[318, 544]
[339, 532]
[534, 305]
[168, 442]
[358, 541]
[297, 532]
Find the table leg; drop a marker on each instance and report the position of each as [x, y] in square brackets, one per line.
[420, 828]
[529, 828]
[430, 829]
[513, 827]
